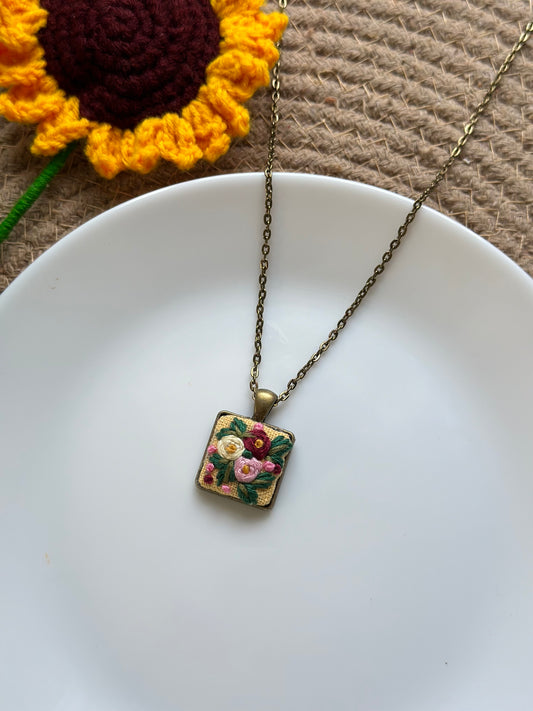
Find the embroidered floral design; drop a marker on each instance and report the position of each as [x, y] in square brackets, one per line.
[140, 80]
[246, 462]
[246, 470]
[258, 444]
[230, 447]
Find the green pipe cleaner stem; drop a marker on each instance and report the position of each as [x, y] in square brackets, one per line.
[24, 203]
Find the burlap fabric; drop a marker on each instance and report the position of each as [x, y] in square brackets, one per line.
[376, 91]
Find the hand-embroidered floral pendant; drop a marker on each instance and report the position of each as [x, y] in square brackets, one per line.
[245, 460]
[139, 79]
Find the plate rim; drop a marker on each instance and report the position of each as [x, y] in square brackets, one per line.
[505, 262]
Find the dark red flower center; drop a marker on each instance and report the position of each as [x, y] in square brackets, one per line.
[127, 60]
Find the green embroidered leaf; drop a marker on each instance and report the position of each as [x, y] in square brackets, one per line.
[247, 455]
[217, 461]
[277, 441]
[238, 425]
[279, 451]
[226, 431]
[280, 446]
[276, 459]
[264, 481]
[232, 473]
[229, 470]
[224, 473]
[247, 494]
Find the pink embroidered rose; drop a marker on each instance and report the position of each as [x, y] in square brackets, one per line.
[258, 445]
[268, 466]
[246, 470]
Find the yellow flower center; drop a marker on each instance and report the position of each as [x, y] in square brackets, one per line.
[246, 469]
[259, 443]
[231, 448]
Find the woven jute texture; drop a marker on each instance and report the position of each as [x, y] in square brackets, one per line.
[376, 91]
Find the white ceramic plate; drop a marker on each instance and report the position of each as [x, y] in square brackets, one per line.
[394, 572]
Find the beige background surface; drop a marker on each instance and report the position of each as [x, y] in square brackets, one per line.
[376, 91]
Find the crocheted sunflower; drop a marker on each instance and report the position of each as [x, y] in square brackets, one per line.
[140, 80]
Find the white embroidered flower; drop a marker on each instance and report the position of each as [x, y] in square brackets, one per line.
[230, 447]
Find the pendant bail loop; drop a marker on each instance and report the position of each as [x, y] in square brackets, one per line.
[264, 401]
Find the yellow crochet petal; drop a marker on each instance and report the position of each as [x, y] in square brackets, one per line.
[217, 147]
[177, 142]
[238, 73]
[32, 104]
[256, 35]
[104, 150]
[126, 146]
[209, 129]
[10, 58]
[140, 150]
[226, 8]
[111, 150]
[234, 114]
[56, 132]
[20, 21]
[26, 71]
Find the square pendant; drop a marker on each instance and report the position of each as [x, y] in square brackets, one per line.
[244, 460]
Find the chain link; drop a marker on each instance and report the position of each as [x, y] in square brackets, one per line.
[267, 220]
[393, 246]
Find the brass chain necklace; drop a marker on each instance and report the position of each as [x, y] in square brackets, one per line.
[245, 458]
